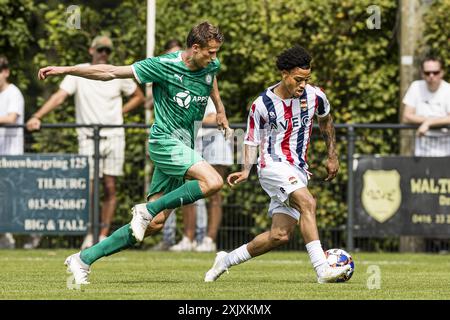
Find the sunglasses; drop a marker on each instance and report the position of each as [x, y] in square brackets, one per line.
[105, 49]
[427, 73]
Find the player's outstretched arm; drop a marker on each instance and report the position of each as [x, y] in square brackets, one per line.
[102, 72]
[250, 156]
[327, 128]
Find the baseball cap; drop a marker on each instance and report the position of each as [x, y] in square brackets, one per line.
[102, 42]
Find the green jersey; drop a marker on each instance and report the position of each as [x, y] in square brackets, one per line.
[180, 95]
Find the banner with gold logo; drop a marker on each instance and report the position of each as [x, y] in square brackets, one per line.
[402, 196]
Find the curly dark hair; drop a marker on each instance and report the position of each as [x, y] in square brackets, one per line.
[296, 56]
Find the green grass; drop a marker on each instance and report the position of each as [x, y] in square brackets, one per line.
[40, 274]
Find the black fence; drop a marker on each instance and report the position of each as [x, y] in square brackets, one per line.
[244, 208]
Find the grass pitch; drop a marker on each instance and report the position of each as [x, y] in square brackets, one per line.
[134, 274]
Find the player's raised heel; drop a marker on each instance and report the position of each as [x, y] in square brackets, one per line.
[141, 220]
[330, 275]
[218, 268]
[79, 270]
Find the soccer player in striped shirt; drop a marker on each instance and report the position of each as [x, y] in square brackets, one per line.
[279, 125]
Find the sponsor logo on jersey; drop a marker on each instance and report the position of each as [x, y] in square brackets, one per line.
[200, 99]
[294, 120]
[184, 99]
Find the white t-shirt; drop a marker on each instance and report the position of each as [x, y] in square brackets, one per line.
[429, 104]
[11, 139]
[211, 143]
[98, 102]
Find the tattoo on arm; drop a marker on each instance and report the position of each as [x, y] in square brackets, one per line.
[327, 129]
[251, 154]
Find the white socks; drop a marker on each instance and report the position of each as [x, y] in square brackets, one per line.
[237, 256]
[315, 251]
[316, 255]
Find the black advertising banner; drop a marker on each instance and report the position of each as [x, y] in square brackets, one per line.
[402, 196]
[46, 194]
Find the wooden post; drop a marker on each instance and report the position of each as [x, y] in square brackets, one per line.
[412, 12]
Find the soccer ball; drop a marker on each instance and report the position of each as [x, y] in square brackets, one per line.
[339, 258]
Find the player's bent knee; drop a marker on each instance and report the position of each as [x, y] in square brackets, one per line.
[311, 204]
[214, 184]
[218, 183]
[306, 206]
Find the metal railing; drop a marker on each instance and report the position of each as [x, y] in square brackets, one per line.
[351, 138]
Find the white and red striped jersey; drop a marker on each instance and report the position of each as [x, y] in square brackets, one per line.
[282, 127]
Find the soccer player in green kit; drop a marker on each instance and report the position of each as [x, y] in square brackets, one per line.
[182, 83]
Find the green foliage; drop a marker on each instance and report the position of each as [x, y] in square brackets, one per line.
[436, 33]
[61, 45]
[356, 66]
[16, 38]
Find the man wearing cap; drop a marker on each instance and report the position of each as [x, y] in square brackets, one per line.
[98, 102]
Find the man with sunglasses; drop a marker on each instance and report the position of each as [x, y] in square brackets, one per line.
[427, 103]
[98, 102]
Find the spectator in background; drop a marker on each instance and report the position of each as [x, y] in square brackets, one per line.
[98, 102]
[427, 103]
[11, 139]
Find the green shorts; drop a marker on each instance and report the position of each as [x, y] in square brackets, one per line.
[171, 159]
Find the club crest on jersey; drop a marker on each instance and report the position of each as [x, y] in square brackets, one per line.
[293, 180]
[208, 78]
[303, 103]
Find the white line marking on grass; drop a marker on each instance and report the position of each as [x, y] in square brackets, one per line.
[389, 262]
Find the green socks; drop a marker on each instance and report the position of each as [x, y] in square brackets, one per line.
[119, 240]
[123, 238]
[186, 194]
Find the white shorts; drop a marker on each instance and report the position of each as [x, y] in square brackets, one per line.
[279, 180]
[112, 154]
[214, 148]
